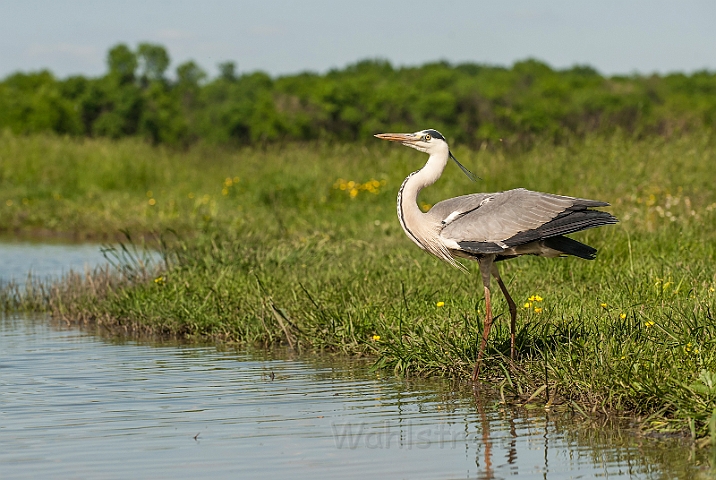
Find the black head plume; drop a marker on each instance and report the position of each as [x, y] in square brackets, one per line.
[467, 172]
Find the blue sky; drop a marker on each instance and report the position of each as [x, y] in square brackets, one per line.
[279, 37]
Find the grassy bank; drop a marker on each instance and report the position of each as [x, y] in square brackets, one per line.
[299, 245]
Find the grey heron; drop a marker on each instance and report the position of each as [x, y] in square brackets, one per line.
[489, 227]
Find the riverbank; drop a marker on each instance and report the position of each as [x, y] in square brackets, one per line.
[299, 245]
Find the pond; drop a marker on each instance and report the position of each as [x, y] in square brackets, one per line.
[77, 405]
[21, 259]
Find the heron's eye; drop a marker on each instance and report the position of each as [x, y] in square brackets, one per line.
[427, 137]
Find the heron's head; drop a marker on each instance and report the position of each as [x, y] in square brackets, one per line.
[429, 141]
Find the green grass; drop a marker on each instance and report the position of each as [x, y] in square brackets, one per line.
[284, 255]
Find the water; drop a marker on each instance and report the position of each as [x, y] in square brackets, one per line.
[45, 260]
[76, 405]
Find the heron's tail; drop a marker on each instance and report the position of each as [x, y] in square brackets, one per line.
[570, 247]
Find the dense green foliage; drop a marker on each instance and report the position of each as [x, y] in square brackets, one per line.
[474, 103]
[300, 246]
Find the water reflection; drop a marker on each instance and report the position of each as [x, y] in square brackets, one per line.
[74, 405]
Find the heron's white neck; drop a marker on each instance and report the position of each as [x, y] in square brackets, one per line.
[424, 177]
[417, 225]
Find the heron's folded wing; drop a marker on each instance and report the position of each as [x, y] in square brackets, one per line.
[501, 216]
[462, 205]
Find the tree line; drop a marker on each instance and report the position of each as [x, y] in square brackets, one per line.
[472, 103]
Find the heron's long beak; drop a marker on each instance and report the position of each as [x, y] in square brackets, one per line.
[398, 137]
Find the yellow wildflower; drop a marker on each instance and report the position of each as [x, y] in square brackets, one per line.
[376, 338]
[649, 324]
[440, 304]
[224, 191]
[8, 203]
[160, 280]
[535, 298]
[528, 305]
[353, 187]
[152, 202]
[538, 309]
[603, 305]
[622, 316]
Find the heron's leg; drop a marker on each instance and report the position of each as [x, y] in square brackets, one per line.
[485, 267]
[512, 307]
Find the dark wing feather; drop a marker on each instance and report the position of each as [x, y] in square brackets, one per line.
[569, 246]
[565, 223]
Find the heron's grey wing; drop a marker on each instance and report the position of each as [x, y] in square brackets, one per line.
[457, 206]
[501, 217]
